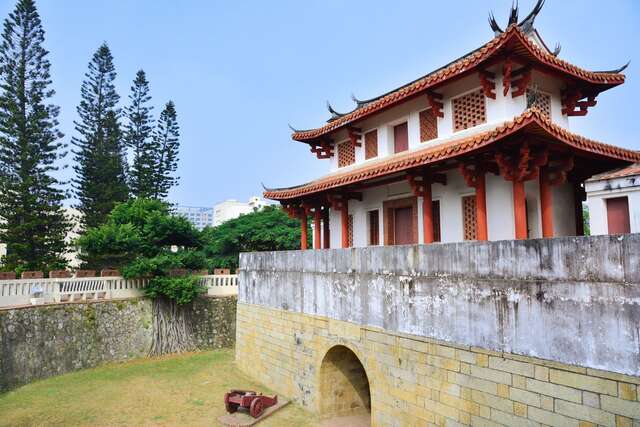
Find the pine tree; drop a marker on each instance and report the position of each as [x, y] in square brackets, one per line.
[34, 223]
[100, 167]
[139, 138]
[166, 140]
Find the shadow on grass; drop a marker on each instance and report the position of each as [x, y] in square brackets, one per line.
[184, 389]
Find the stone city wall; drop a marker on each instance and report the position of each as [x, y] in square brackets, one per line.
[42, 341]
[517, 332]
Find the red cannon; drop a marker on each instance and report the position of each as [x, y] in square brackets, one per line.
[254, 402]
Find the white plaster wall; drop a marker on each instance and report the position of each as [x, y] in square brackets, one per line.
[534, 217]
[599, 191]
[450, 197]
[500, 211]
[500, 221]
[564, 217]
[503, 108]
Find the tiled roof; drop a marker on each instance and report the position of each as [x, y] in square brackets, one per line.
[513, 35]
[632, 170]
[531, 119]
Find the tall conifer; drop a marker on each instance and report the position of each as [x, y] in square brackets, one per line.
[34, 224]
[167, 143]
[100, 162]
[139, 139]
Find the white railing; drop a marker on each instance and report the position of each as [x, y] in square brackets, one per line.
[221, 284]
[39, 291]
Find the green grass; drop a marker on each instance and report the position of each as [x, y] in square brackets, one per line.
[174, 390]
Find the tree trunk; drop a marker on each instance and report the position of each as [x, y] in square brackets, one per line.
[172, 332]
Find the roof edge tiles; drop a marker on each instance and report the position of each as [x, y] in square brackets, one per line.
[631, 170]
[454, 69]
[453, 149]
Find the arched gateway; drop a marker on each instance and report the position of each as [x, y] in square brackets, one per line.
[344, 387]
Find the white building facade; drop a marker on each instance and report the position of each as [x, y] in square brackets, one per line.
[477, 150]
[613, 199]
[200, 217]
[231, 209]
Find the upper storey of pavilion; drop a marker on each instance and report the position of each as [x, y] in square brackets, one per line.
[483, 89]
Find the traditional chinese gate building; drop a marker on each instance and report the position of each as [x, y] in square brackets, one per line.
[479, 149]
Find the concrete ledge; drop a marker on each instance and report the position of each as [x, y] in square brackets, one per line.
[574, 300]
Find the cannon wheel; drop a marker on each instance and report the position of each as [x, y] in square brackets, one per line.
[255, 410]
[230, 407]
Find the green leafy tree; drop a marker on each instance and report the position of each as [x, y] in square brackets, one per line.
[138, 238]
[585, 220]
[31, 197]
[139, 139]
[167, 143]
[100, 168]
[270, 229]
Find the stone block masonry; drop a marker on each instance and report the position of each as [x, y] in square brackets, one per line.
[42, 341]
[537, 332]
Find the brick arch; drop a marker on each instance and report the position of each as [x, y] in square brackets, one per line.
[344, 384]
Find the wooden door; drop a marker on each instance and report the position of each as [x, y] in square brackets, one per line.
[403, 226]
[374, 228]
[400, 138]
[435, 214]
[618, 215]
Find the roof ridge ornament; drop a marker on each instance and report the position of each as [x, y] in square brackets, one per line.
[293, 129]
[334, 114]
[494, 24]
[362, 102]
[617, 70]
[513, 15]
[526, 25]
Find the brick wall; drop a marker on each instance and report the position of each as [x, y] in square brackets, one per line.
[415, 380]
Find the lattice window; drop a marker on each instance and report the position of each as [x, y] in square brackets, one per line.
[371, 144]
[428, 125]
[469, 110]
[350, 230]
[346, 154]
[469, 217]
[541, 101]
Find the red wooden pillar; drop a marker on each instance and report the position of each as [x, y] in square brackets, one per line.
[303, 230]
[325, 229]
[317, 227]
[481, 207]
[344, 222]
[546, 204]
[519, 209]
[427, 210]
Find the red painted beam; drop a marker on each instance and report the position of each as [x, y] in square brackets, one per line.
[427, 210]
[546, 205]
[481, 207]
[344, 223]
[303, 231]
[317, 227]
[519, 209]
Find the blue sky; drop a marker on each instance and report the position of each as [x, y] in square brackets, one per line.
[239, 71]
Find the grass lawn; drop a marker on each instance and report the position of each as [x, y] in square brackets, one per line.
[175, 390]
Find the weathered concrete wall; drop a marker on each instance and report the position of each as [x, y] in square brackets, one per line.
[42, 341]
[572, 300]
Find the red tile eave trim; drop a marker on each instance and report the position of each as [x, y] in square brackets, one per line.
[458, 69]
[530, 118]
[632, 170]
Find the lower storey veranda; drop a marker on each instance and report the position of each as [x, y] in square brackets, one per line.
[392, 214]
